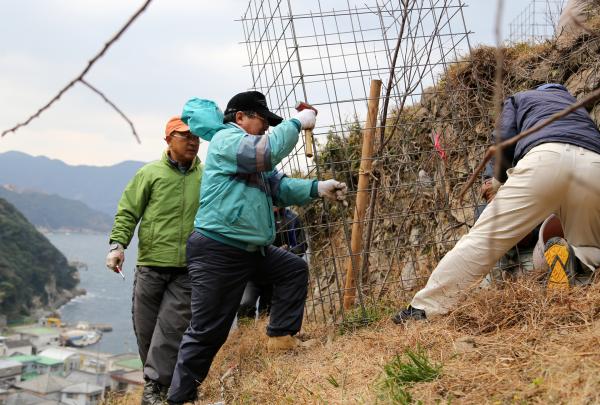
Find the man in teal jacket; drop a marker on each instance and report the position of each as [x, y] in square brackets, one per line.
[164, 196]
[235, 228]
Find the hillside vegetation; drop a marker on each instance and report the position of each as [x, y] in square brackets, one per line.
[512, 345]
[33, 273]
[419, 216]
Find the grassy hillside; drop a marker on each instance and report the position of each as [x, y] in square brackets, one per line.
[512, 345]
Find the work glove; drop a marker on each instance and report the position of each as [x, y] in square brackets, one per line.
[307, 118]
[489, 188]
[116, 257]
[332, 189]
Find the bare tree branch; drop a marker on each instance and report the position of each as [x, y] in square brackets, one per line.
[388, 90]
[82, 74]
[110, 103]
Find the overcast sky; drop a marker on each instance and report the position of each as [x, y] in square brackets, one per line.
[177, 49]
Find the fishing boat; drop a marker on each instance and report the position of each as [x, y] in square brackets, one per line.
[80, 337]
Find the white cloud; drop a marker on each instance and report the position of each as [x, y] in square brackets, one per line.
[175, 50]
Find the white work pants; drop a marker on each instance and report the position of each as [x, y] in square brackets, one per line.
[551, 178]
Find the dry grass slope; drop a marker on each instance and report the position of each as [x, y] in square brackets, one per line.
[511, 345]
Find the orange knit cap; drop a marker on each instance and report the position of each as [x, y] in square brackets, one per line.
[175, 124]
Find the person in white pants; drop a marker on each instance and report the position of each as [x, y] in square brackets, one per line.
[554, 171]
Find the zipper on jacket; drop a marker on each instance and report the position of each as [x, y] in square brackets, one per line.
[180, 253]
[180, 257]
[270, 213]
[181, 216]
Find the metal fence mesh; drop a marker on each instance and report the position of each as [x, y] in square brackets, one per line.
[327, 53]
[536, 22]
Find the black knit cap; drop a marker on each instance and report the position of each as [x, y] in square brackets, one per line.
[252, 101]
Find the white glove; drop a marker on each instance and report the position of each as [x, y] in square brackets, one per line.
[332, 189]
[307, 118]
[116, 257]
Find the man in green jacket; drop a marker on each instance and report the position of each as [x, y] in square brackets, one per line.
[164, 196]
[235, 228]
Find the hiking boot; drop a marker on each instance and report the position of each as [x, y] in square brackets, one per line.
[191, 399]
[186, 402]
[561, 262]
[282, 343]
[153, 393]
[408, 314]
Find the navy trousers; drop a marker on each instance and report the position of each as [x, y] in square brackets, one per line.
[219, 274]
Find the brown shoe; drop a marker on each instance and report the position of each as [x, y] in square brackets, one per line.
[282, 343]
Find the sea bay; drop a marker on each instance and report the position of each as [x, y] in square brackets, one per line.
[108, 297]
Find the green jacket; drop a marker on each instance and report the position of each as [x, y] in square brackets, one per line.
[166, 201]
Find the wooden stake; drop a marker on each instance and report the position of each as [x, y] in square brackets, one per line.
[362, 197]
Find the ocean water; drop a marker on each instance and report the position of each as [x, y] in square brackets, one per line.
[108, 298]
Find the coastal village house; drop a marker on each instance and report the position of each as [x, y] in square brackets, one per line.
[41, 337]
[47, 386]
[94, 361]
[25, 398]
[35, 369]
[56, 375]
[10, 347]
[81, 376]
[126, 381]
[70, 359]
[10, 372]
[82, 394]
[34, 366]
[126, 372]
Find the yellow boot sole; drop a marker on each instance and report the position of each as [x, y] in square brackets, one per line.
[557, 256]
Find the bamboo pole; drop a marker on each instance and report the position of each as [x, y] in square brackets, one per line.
[362, 197]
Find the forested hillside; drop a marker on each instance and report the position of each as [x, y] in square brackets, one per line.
[55, 213]
[33, 273]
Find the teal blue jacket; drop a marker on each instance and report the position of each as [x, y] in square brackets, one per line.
[240, 184]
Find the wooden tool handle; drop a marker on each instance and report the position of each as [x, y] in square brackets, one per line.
[308, 142]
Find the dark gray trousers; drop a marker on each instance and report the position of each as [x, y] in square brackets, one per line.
[219, 274]
[161, 313]
[255, 292]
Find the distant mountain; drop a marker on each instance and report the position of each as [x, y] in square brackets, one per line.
[55, 213]
[33, 273]
[99, 187]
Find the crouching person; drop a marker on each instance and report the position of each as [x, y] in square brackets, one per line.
[235, 229]
[164, 197]
[289, 236]
[552, 171]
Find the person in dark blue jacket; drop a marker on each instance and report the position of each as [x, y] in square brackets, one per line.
[555, 170]
[289, 236]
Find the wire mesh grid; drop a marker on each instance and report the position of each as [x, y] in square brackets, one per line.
[424, 150]
[536, 22]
